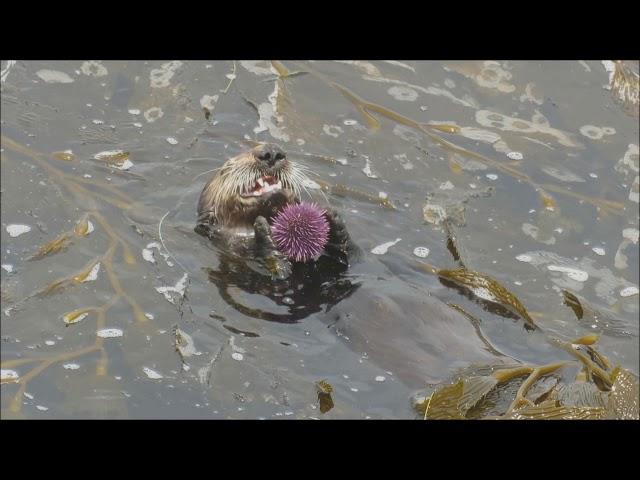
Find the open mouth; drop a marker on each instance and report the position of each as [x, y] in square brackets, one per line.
[264, 185]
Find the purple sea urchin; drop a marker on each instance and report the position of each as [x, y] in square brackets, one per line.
[301, 231]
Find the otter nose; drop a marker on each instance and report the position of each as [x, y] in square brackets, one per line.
[270, 154]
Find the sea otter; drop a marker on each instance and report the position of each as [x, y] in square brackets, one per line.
[238, 203]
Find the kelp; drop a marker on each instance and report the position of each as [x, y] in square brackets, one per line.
[366, 108]
[67, 156]
[542, 395]
[283, 72]
[625, 87]
[476, 325]
[484, 287]
[58, 244]
[605, 320]
[76, 316]
[554, 410]
[82, 228]
[623, 399]
[570, 300]
[184, 345]
[92, 199]
[324, 390]
[347, 191]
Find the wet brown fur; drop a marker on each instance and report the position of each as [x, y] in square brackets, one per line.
[221, 203]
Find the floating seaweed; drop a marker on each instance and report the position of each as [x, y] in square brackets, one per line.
[603, 319]
[58, 244]
[625, 86]
[487, 288]
[324, 390]
[541, 395]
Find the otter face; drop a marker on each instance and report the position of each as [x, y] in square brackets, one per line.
[258, 182]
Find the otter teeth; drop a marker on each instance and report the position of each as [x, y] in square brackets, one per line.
[263, 187]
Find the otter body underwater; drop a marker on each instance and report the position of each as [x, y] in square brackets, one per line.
[401, 326]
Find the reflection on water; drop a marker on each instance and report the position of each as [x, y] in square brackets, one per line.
[309, 289]
[535, 165]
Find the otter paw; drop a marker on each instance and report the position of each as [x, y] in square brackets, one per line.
[267, 252]
[339, 239]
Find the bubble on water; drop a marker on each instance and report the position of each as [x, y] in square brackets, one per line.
[153, 114]
[592, 132]
[515, 155]
[42, 408]
[134, 111]
[404, 94]
[172, 141]
[109, 333]
[493, 75]
[629, 291]
[237, 356]
[524, 258]
[573, 273]
[492, 176]
[421, 252]
[531, 95]
[380, 378]
[7, 267]
[598, 250]
[446, 185]
[161, 77]
[538, 124]
[332, 130]
[93, 68]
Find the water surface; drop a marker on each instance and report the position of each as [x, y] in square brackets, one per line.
[535, 164]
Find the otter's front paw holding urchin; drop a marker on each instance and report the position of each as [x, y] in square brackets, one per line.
[266, 251]
[340, 244]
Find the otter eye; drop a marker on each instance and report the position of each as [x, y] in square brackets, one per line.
[279, 156]
[266, 156]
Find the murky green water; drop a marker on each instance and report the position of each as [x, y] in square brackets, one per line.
[533, 162]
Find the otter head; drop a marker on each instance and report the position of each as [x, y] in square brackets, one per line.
[258, 182]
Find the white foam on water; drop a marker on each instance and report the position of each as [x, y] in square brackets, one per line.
[15, 230]
[382, 248]
[110, 333]
[152, 374]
